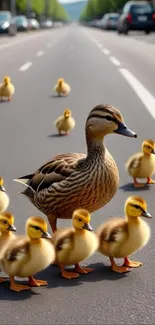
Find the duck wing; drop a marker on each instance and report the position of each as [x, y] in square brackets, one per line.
[57, 170]
[134, 161]
[114, 230]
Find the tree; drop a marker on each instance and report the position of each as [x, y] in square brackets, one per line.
[97, 8]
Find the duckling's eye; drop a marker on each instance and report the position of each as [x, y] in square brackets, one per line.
[136, 206]
[109, 118]
[36, 228]
[5, 222]
[80, 219]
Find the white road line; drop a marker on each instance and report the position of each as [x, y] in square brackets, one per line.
[145, 96]
[115, 61]
[106, 51]
[40, 53]
[25, 66]
[99, 45]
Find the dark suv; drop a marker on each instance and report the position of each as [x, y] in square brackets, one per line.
[7, 23]
[138, 16]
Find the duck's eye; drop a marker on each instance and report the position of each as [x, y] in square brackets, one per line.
[109, 118]
[5, 222]
[80, 219]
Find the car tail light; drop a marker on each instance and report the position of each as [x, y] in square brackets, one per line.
[129, 18]
[153, 16]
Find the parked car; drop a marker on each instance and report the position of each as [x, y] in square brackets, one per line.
[7, 24]
[21, 23]
[137, 16]
[33, 24]
[46, 24]
[109, 21]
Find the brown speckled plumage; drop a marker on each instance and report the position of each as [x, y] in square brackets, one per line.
[74, 180]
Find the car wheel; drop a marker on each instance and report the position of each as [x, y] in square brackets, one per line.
[147, 32]
[125, 29]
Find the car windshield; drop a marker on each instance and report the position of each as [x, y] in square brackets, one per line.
[4, 17]
[20, 19]
[113, 17]
[142, 9]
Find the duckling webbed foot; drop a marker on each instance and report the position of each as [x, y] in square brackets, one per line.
[82, 270]
[118, 269]
[150, 181]
[17, 287]
[136, 184]
[132, 264]
[66, 274]
[9, 99]
[36, 283]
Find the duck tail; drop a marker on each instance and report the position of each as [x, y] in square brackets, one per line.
[23, 179]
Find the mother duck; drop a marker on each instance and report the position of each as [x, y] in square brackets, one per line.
[74, 180]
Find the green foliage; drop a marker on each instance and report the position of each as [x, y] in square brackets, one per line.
[54, 9]
[97, 8]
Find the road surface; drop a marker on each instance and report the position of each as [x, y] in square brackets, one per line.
[101, 68]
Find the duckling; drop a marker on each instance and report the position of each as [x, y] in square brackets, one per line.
[6, 232]
[7, 89]
[28, 255]
[4, 199]
[120, 237]
[74, 245]
[142, 164]
[65, 122]
[62, 87]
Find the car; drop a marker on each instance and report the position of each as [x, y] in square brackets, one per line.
[33, 24]
[21, 23]
[109, 21]
[7, 23]
[137, 16]
[45, 24]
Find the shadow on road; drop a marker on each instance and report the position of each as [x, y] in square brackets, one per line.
[130, 188]
[56, 135]
[54, 279]
[56, 96]
[7, 294]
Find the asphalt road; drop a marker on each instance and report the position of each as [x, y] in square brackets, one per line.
[26, 142]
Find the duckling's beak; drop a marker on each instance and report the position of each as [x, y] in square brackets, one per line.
[46, 235]
[2, 188]
[87, 226]
[146, 214]
[12, 228]
[123, 130]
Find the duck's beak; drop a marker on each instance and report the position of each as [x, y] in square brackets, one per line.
[123, 130]
[46, 235]
[12, 228]
[87, 226]
[2, 188]
[146, 214]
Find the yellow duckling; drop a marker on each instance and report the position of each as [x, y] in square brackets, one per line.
[120, 237]
[6, 232]
[74, 245]
[142, 164]
[65, 122]
[62, 87]
[7, 89]
[28, 255]
[4, 199]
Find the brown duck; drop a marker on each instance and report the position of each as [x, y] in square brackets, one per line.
[74, 180]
